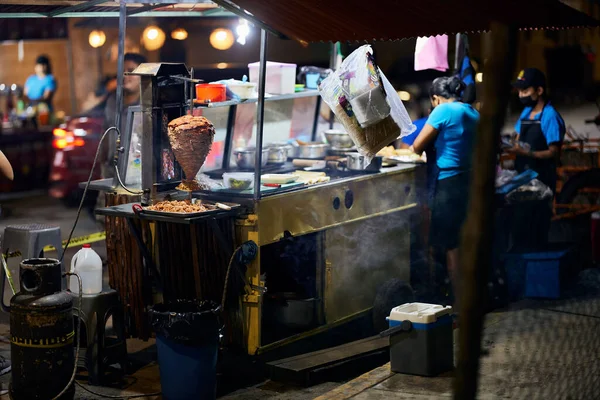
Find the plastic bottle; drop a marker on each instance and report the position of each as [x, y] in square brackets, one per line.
[88, 265]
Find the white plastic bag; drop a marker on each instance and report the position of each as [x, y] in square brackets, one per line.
[503, 176]
[366, 103]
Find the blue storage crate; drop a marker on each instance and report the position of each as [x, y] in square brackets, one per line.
[537, 274]
[545, 273]
[515, 266]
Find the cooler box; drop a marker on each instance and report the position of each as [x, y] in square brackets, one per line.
[427, 347]
[281, 78]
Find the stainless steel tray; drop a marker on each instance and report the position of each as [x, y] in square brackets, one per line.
[216, 210]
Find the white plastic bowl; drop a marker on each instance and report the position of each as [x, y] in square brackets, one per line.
[230, 178]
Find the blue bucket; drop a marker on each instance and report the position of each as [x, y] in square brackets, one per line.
[187, 340]
[186, 372]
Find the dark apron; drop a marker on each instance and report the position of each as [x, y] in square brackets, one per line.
[531, 220]
[531, 133]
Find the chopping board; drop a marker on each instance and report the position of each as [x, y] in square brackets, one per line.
[263, 189]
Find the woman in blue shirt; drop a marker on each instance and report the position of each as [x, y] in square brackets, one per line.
[451, 127]
[41, 86]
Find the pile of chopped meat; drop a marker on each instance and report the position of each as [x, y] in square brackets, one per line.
[175, 206]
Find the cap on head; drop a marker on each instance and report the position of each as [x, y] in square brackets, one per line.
[530, 77]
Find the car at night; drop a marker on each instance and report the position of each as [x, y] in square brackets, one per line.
[74, 145]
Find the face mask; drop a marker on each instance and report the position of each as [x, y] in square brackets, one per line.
[528, 101]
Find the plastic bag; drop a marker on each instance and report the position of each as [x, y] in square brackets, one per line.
[186, 321]
[206, 183]
[503, 176]
[366, 103]
[532, 191]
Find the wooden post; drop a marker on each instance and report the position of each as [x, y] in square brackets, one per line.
[477, 233]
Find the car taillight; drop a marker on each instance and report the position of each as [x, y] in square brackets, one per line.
[64, 139]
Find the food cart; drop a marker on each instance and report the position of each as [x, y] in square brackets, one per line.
[315, 266]
[332, 227]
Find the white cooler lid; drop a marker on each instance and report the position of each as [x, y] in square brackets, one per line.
[420, 313]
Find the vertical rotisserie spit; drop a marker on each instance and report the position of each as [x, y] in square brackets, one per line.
[191, 139]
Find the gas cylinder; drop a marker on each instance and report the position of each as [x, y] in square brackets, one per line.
[41, 331]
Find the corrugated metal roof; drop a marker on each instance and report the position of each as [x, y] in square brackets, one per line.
[363, 20]
[71, 8]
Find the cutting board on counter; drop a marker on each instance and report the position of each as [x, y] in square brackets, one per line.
[263, 189]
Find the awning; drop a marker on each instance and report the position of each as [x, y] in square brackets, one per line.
[366, 21]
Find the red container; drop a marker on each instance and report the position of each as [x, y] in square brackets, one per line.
[210, 93]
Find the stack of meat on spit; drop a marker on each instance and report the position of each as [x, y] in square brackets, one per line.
[191, 138]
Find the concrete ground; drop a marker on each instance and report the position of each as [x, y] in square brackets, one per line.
[535, 350]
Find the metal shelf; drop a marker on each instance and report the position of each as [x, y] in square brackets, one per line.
[229, 103]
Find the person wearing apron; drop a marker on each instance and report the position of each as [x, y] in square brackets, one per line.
[543, 129]
[451, 128]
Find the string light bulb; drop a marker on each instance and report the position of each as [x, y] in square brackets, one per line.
[153, 38]
[97, 39]
[179, 34]
[221, 39]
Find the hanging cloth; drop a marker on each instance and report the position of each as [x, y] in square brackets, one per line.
[464, 69]
[432, 53]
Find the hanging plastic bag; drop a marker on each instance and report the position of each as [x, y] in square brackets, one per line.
[366, 103]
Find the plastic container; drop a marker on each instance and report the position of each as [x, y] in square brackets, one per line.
[238, 180]
[312, 79]
[211, 92]
[546, 272]
[537, 274]
[281, 77]
[244, 90]
[88, 265]
[187, 340]
[426, 347]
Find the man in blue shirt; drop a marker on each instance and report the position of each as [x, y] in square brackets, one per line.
[540, 126]
[41, 86]
[543, 129]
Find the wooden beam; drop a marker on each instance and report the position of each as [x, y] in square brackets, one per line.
[477, 233]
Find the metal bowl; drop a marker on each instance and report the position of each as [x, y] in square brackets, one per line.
[313, 151]
[277, 155]
[279, 152]
[338, 139]
[357, 162]
[245, 157]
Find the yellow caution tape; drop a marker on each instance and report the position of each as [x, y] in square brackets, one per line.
[77, 241]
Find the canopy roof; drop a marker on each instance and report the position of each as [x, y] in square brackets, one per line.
[108, 8]
[332, 20]
[360, 20]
